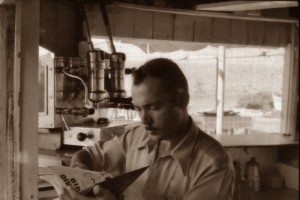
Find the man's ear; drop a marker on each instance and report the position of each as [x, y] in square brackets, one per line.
[182, 98]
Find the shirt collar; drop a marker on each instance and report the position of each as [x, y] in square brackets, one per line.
[184, 149]
[182, 152]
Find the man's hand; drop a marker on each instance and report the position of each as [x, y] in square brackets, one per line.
[103, 193]
[81, 159]
[99, 192]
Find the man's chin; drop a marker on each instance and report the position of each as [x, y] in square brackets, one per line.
[153, 136]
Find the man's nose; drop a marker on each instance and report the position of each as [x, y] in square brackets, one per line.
[146, 117]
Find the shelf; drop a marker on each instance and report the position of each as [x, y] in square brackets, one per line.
[255, 139]
[284, 194]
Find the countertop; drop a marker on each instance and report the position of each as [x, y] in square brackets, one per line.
[284, 194]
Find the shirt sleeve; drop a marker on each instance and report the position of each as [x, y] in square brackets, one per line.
[216, 182]
[108, 156]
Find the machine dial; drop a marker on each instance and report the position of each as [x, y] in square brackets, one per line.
[82, 136]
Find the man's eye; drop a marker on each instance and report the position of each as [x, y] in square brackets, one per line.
[154, 107]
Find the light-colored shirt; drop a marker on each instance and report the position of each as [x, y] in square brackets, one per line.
[198, 168]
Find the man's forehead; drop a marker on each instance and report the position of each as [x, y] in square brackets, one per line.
[148, 91]
[148, 84]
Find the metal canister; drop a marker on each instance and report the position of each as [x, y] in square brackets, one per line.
[60, 78]
[74, 65]
[117, 71]
[96, 65]
[73, 69]
[83, 70]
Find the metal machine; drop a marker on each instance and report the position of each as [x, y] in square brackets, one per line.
[76, 93]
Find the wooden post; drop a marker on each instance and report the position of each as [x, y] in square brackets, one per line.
[19, 39]
[220, 90]
[285, 89]
[28, 32]
[7, 183]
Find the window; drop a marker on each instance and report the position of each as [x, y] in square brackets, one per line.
[254, 89]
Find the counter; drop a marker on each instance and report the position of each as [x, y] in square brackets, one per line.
[284, 194]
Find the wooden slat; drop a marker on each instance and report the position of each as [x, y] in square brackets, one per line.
[271, 34]
[202, 13]
[160, 25]
[184, 28]
[48, 24]
[256, 33]
[67, 28]
[239, 32]
[124, 23]
[143, 24]
[284, 34]
[112, 16]
[163, 28]
[95, 20]
[221, 30]
[203, 30]
[245, 5]
[97, 25]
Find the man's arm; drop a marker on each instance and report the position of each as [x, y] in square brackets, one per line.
[102, 156]
[216, 184]
[82, 159]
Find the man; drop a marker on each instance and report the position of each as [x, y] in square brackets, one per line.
[185, 163]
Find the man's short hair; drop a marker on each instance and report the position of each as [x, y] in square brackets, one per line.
[168, 72]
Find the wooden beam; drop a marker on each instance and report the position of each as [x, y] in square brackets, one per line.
[199, 13]
[234, 6]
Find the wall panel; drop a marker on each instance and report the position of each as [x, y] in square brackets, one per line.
[151, 24]
[271, 34]
[256, 33]
[143, 24]
[124, 23]
[203, 29]
[60, 26]
[184, 28]
[239, 32]
[221, 30]
[284, 34]
[163, 27]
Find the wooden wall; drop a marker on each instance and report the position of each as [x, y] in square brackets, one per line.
[132, 23]
[60, 27]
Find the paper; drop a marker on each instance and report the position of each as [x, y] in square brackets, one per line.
[83, 181]
[80, 180]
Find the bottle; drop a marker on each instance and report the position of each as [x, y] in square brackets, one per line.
[241, 186]
[252, 175]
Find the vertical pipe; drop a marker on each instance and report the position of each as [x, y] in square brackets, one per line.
[220, 90]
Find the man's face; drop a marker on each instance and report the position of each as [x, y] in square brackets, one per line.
[158, 113]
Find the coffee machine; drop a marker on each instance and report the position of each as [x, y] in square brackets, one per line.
[84, 97]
